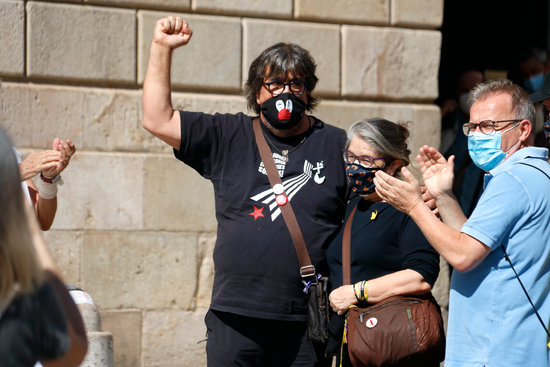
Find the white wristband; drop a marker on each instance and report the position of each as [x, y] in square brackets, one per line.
[46, 190]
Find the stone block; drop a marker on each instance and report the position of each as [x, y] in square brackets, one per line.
[164, 4]
[344, 11]
[125, 326]
[206, 270]
[94, 119]
[101, 191]
[262, 8]
[424, 123]
[424, 120]
[147, 270]
[321, 40]
[344, 113]
[211, 60]
[209, 103]
[176, 198]
[171, 338]
[417, 13]
[86, 43]
[65, 248]
[392, 64]
[12, 37]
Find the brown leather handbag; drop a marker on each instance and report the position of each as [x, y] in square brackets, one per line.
[397, 331]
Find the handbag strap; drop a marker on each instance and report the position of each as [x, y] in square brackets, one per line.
[306, 268]
[516, 274]
[346, 249]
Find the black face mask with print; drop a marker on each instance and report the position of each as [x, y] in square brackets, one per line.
[284, 111]
[361, 178]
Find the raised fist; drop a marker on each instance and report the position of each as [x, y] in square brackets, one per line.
[172, 32]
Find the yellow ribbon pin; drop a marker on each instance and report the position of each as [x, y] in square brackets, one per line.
[373, 215]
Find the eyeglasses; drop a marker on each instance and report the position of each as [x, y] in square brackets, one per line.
[276, 87]
[487, 127]
[364, 160]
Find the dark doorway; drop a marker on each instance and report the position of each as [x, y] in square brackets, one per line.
[489, 35]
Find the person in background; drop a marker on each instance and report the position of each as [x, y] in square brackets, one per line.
[529, 70]
[468, 183]
[389, 254]
[542, 96]
[258, 311]
[492, 321]
[38, 319]
[47, 165]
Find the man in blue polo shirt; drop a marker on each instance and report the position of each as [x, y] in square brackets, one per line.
[491, 321]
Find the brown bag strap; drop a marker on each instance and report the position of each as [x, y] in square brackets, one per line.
[306, 268]
[346, 249]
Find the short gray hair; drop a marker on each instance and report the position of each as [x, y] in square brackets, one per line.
[522, 107]
[386, 137]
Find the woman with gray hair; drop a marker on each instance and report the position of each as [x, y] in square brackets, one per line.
[38, 319]
[389, 254]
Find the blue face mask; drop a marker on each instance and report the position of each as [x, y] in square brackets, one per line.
[485, 150]
[535, 82]
[360, 178]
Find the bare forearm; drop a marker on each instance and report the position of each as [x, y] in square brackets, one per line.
[461, 251]
[402, 282]
[450, 211]
[157, 100]
[45, 211]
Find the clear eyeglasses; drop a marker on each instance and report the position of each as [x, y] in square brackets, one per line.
[276, 87]
[364, 160]
[487, 127]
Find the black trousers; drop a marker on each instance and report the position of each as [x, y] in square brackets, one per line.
[235, 340]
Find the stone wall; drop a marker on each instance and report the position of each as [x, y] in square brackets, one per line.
[135, 228]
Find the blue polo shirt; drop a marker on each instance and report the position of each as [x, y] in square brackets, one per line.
[491, 322]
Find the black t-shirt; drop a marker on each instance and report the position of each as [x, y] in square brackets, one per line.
[33, 327]
[256, 268]
[383, 241]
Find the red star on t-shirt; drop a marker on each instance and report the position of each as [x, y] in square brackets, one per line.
[257, 212]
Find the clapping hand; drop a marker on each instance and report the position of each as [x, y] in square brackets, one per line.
[437, 172]
[65, 150]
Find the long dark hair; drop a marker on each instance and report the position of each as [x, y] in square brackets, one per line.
[280, 60]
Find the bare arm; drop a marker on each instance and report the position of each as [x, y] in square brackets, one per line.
[50, 163]
[460, 250]
[45, 209]
[401, 282]
[159, 117]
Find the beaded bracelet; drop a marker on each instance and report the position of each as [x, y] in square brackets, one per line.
[355, 293]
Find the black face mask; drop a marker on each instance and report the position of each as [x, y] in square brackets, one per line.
[361, 178]
[284, 111]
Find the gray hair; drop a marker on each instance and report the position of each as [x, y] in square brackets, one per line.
[386, 137]
[18, 260]
[522, 107]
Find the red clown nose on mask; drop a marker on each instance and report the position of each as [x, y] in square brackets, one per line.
[284, 111]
